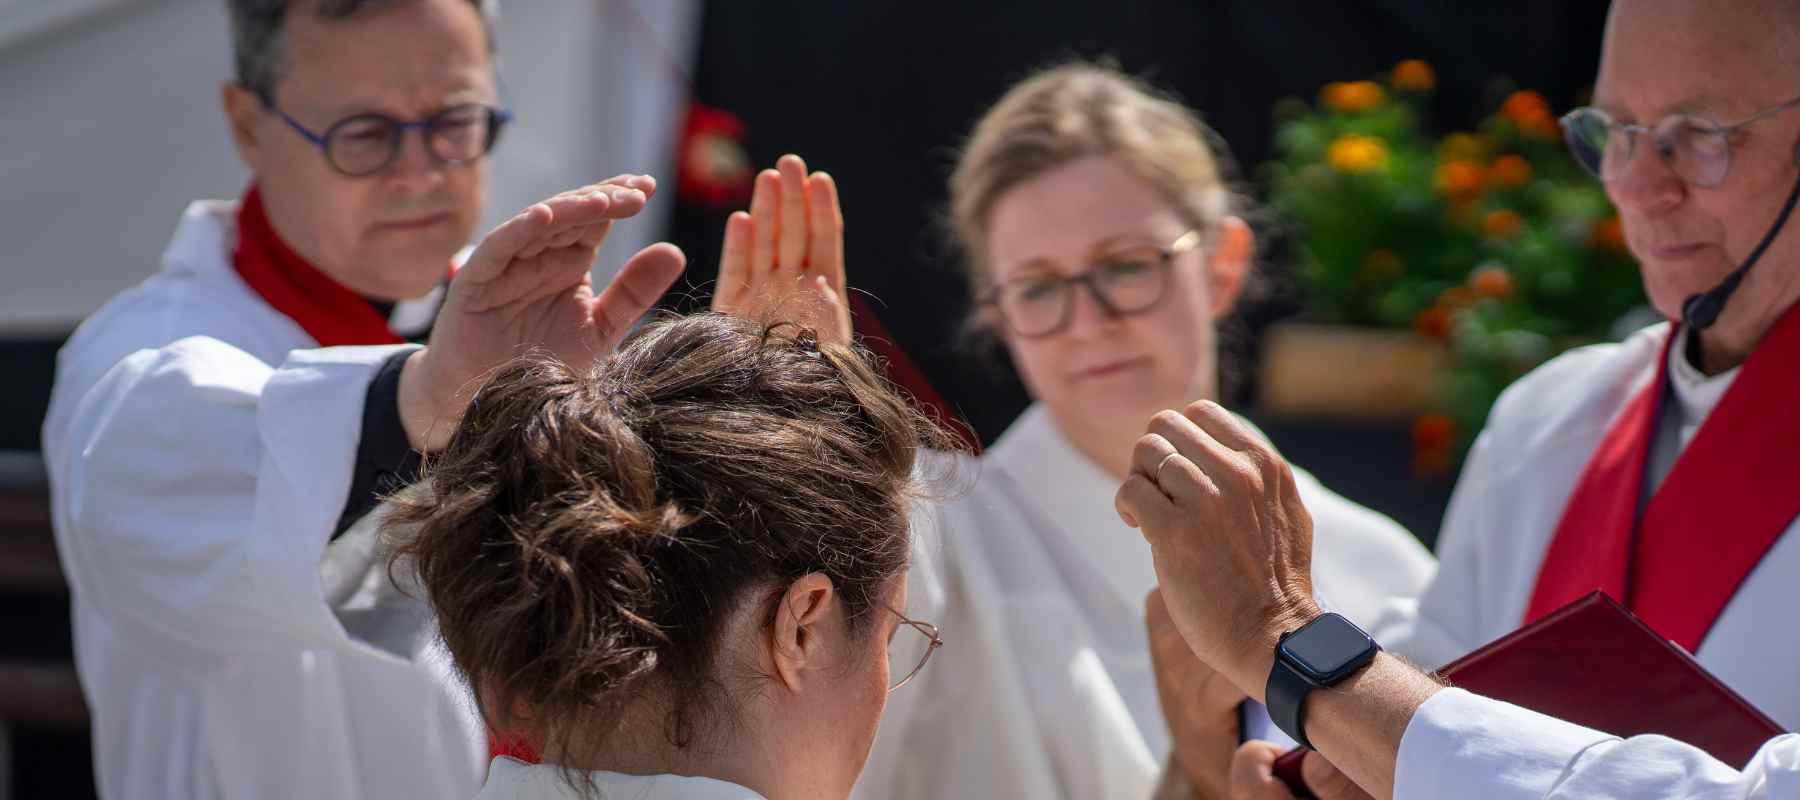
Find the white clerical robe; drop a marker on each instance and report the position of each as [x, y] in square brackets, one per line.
[200, 452]
[1466, 746]
[1043, 687]
[511, 779]
[1518, 477]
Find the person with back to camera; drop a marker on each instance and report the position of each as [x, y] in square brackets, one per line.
[679, 575]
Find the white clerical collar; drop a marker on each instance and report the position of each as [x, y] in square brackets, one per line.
[1076, 495]
[1696, 393]
[511, 779]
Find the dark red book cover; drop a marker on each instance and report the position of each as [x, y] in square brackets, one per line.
[1594, 663]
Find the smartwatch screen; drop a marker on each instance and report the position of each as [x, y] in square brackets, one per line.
[1327, 644]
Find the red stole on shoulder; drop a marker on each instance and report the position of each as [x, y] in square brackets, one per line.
[330, 313]
[1734, 489]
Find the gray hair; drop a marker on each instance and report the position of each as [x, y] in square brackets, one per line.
[257, 44]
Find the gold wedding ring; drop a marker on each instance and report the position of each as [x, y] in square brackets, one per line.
[1163, 463]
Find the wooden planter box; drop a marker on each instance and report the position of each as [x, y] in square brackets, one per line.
[1340, 372]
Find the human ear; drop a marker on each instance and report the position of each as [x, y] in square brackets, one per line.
[243, 109]
[1229, 264]
[797, 642]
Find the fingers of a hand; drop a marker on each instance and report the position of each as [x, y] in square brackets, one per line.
[790, 247]
[1140, 504]
[567, 237]
[504, 243]
[1226, 428]
[593, 235]
[1203, 463]
[1156, 456]
[825, 230]
[642, 183]
[531, 280]
[734, 262]
[1327, 782]
[1253, 773]
[833, 324]
[764, 201]
[643, 279]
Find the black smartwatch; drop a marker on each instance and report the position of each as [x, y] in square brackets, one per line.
[1321, 653]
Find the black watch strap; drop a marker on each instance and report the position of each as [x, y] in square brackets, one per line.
[1285, 695]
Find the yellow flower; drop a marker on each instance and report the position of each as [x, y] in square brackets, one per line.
[1353, 154]
[1413, 75]
[1353, 96]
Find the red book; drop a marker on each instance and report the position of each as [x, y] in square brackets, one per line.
[1594, 663]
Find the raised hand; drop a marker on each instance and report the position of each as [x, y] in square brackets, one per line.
[527, 285]
[1230, 537]
[1200, 705]
[784, 260]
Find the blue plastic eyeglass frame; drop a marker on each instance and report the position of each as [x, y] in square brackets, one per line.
[501, 116]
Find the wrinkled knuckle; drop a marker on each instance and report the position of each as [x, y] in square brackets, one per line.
[1166, 420]
[1149, 446]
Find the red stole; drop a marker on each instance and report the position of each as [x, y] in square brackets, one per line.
[331, 314]
[1734, 489]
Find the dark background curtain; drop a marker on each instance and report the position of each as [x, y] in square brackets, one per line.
[881, 92]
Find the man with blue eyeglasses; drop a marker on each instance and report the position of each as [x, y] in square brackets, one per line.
[219, 434]
[1664, 469]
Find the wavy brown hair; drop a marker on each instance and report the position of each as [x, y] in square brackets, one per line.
[584, 537]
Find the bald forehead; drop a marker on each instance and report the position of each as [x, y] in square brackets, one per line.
[1665, 56]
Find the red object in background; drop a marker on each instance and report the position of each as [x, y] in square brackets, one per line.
[712, 166]
[1596, 664]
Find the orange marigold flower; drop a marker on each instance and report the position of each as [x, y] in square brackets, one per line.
[1510, 170]
[1525, 104]
[1492, 281]
[1459, 178]
[1353, 96]
[1433, 323]
[1503, 223]
[1608, 234]
[1351, 153]
[1413, 75]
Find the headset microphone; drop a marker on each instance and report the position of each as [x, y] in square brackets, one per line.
[1701, 310]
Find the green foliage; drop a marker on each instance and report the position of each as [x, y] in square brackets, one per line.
[1494, 241]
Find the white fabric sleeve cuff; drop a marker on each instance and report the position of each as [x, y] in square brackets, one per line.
[1463, 745]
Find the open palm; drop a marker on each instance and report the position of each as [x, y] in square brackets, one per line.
[784, 260]
[527, 286]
